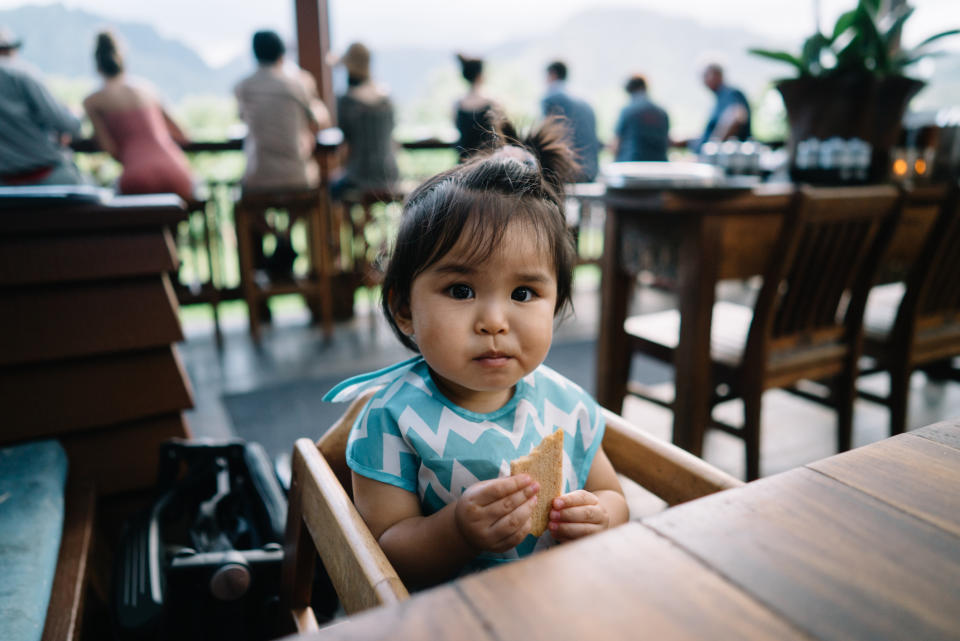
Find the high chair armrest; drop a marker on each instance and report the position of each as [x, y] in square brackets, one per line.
[664, 469]
[321, 517]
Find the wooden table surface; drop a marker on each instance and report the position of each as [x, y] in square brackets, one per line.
[862, 545]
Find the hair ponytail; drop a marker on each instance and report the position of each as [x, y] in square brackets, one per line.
[550, 145]
[107, 55]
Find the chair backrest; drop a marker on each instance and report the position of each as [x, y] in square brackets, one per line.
[823, 262]
[938, 289]
[322, 520]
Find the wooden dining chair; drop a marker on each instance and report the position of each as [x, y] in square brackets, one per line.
[806, 321]
[917, 323]
[323, 522]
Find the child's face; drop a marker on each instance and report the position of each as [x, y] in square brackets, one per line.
[481, 328]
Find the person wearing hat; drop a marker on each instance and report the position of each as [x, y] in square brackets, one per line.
[365, 115]
[36, 127]
[283, 114]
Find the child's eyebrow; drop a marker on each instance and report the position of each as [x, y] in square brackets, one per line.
[533, 277]
[469, 270]
[455, 268]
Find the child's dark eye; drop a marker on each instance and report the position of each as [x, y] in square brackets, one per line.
[522, 294]
[460, 291]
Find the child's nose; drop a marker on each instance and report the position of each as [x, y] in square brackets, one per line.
[492, 319]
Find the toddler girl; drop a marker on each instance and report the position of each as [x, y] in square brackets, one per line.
[481, 267]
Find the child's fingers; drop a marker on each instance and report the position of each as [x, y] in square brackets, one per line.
[570, 531]
[516, 518]
[580, 514]
[511, 502]
[511, 529]
[575, 498]
[489, 492]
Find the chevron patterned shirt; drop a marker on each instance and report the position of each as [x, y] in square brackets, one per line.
[411, 436]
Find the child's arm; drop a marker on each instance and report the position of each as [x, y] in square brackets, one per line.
[491, 515]
[600, 505]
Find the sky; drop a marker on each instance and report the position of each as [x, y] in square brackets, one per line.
[220, 29]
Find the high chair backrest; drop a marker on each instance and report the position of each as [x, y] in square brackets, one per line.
[322, 520]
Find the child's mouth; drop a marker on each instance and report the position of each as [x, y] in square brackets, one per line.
[493, 359]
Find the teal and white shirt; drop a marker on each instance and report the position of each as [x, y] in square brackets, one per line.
[411, 436]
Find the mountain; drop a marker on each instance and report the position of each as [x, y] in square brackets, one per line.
[59, 41]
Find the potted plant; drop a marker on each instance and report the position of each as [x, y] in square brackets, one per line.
[851, 83]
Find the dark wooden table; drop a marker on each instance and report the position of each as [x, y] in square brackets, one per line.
[862, 545]
[716, 234]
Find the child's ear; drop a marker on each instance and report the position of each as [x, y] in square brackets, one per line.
[401, 314]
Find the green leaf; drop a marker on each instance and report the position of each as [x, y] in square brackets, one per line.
[875, 48]
[812, 48]
[844, 22]
[781, 56]
[942, 34]
[903, 12]
[853, 56]
[872, 6]
[905, 59]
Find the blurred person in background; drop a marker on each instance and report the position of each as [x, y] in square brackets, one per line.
[131, 124]
[35, 128]
[730, 118]
[475, 113]
[579, 117]
[642, 130]
[365, 115]
[283, 114]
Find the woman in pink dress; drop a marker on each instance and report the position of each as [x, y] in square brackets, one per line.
[132, 126]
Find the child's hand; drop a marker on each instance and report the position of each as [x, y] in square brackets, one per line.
[494, 515]
[576, 515]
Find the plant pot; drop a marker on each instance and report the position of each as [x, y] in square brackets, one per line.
[850, 105]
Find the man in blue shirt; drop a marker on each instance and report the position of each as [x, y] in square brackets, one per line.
[35, 126]
[730, 118]
[643, 127]
[579, 116]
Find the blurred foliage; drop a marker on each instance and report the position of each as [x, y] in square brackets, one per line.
[864, 39]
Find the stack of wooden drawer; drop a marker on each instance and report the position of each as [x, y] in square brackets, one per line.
[88, 322]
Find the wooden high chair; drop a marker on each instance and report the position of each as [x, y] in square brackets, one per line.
[322, 520]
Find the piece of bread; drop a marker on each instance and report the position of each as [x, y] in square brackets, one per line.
[545, 465]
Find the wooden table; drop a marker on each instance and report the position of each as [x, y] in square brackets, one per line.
[718, 234]
[862, 545]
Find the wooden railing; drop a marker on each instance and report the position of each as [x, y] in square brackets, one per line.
[206, 242]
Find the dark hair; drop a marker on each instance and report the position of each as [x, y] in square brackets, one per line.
[516, 181]
[107, 55]
[471, 68]
[267, 47]
[558, 68]
[636, 83]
